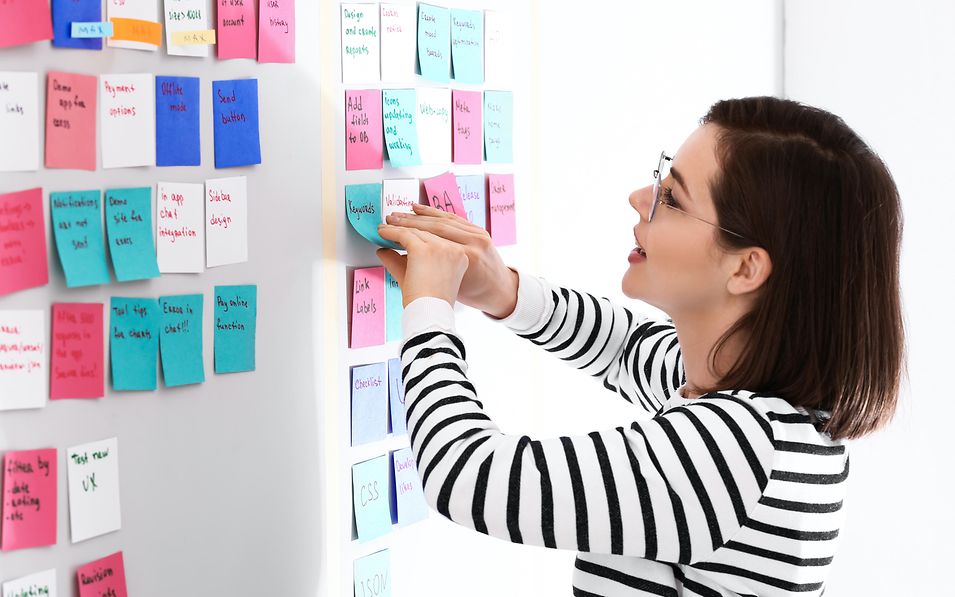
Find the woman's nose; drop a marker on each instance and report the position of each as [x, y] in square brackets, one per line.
[640, 201]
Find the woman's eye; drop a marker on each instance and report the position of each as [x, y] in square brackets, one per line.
[668, 197]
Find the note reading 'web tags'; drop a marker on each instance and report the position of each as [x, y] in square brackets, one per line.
[467, 46]
[184, 17]
[361, 43]
[134, 25]
[277, 31]
[180, 339]
[498, 123]
[105, 577]
[373, 575]
[235, 321]
[235, 29]
[369, 403]
[93, 479]
[177, 121]
[23, 360]
[364, 137]
[393, 308]
[370, 498]
[129, 229]
[127, 120]
[363, 205]
[227, 237]
[399, 107]
[434, 42]
[235, 111]
[442, 193]
[24, 22]
[87, 14]
[474, 198]
[434, 125]
[468, 137]
[396, 397]
[498, 48]
[78, 231]
[399, 29]
[133, 342]
[368, 307]
[19, 121]
[77, 366]
[180, 230]
[29, 499]
[70, 121]
[409, 495]
[501, 205]
[22, 241]
[37, 584]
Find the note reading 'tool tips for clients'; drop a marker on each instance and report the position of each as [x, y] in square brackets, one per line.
[133, 343]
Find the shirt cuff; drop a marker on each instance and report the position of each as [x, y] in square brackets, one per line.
[531, 304]
[427, 312]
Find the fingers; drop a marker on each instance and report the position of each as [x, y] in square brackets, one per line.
[443, 227]
[395, 264]
[427, 210]
[406, 237]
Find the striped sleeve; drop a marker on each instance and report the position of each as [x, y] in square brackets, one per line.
[673, 488]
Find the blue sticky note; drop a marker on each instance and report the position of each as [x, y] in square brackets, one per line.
[369, 403]
[373, 575]
[180, 339]
[363, 206]
[396, 397]
[409, 504]
[133, 342]
[177, 121]
[370, 497]
[401, 131]
[129, 228]
[474, 197]
[235, 110]
[467, 45]
[66, 12]
[434, 43]
[393, 308]
[90, 30]
[234, 339]
[78, 230]
[498, 121]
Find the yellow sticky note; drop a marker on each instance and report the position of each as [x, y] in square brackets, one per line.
[194, 38]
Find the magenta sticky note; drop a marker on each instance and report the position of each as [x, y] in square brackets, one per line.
[501, 205]
[276, 30]
[235, 29]
[70, 121]
[29, 499]
[22, 241]
[442, 193]
[24, 22]
[368, 307]
[364, 136]
[106, 576]
[77, 349]
[466, 122]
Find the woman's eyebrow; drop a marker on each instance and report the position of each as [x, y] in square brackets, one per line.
[679, 179]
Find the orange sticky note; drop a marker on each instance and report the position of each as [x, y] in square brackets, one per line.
[147, 32]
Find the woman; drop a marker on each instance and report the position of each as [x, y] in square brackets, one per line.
[773, 245]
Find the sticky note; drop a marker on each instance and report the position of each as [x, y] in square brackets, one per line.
[467, 46]
[434, 125]
[180, 339]
[474, 198]
[24, 22]
[393, 308]
[134, 25]
[70, 121]
[129, 228]
[396, 397]
[372, 574]
[361, 43]
[22, 241]
[434, 43]
[76, 369]
[227, 237]
[234, 339]
[235, 111]
[442, 193]
[364, 137]
[67, 14]
[204, 37]
[277, 31]
[78, 231]
[498, 48]
[368, 312]
[399, 31]
[369, 403]
[19, 121]
[127, 120]
[398, 195]
[133, 342]
[91, 31]
[235, 29]
[409, 494]
[501, 205]
[23, 360]
[92, 472]
[39, 583]
[370, 498]
[177, 121]
[399, 107]
[29, 499]
[186, 16]
[466, 120]
[180, 230]
[498, 121]
[104, 577]
[363, 205]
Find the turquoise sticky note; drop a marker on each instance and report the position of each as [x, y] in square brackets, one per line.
[409, 504]
[498, 122]
[363, 206]
[369, 403]
[97, 29]
[467, 46]
[393, 308]
[434, 43]
[396, 397]
[401, 130]
[133, 342]
[373, 575]
[370, 498]
[180, 339]
[78, 230]
[234, 338]
[129, 227]
[474, 196]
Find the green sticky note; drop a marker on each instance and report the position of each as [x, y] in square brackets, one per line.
[498, 122]
[371, 498]
[467, 46]
[180, 339]
[78, 230]
[434, 42]
[373, 575]
[401, 130]
[133, 342]
[234, 339]
[129, 226]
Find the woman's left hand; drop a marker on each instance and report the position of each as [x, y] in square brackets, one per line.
[433, 266]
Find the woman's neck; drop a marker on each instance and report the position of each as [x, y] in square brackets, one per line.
[697, 336]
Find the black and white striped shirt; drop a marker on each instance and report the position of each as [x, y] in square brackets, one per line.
[731, 493]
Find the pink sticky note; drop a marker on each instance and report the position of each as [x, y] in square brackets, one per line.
[24, 22]
[466, 120]
[235, 29]
[364, 137]
[106, 576]
[368, 307]
[276, 30]
[77, 351]
[70, 121]
[22, 241]
[442, 193]
[501, 204]
[29, 499]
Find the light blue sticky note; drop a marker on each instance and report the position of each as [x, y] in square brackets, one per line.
[133, 342]
[369, 403]
[177, 121]
[75, 24]
[393, 308]
[180, 339]
[409, 502]
[401, 131]
[434, 42]
[234, 339]
[370, 498]
[373, 575]
[467, 45]
[91, 30]
[129, 227]
[474, 197]
[396, 397]
[363, 205]
[78, 230]
[498, 122]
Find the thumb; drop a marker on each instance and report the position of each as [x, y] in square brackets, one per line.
[394, 263]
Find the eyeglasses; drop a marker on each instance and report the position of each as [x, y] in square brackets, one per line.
[657, 176]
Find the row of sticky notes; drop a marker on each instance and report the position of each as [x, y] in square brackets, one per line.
[145, 120]
[393, 42]
[132, 25]
[386, 490]
[377, 390]
[103, 577]
[429, 125]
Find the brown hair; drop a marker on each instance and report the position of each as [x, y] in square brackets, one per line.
[826, 332]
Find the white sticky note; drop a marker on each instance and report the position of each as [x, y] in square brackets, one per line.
[399, 38]
[93, 480]
[434, 125]
[127, 120]
[498, 48]
[398, 195]
[19, 121]
[141, 10]
[180, 232]
[227, 237]
[24, 372]
[187, 15]
[40, 584]
[361, 43]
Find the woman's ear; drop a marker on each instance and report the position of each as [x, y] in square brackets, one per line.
[752, 267]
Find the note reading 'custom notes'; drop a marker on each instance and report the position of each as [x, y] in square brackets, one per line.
[128, 120]
[177, 121]
[77, 365]
[277, 31]
[369, 403]
[183, 17]
[409, 495]
[22, 241]
[133, 342]
[29, 499]
[129, 228]
[399, 107]
[93, 479]
[442, 193]
[373, 575]
[78, 231]
[23, 360]
[70, 121]
[235, 29]
[235, 110]
[370, 498]
[235, 320]
[468, 135]
[180, 339]
[501, 205]
[19, 121]
[361, 43]
[39, 583]
[24, 22]
[368, 307]
[399, 31]
[180, 231]
[104, 577]
[227, 236]
[434, 42]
